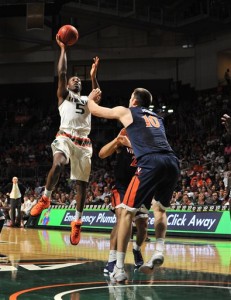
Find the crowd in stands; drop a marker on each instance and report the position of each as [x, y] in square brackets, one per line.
[194, 131]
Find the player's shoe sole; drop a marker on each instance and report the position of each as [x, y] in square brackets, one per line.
[155, 262]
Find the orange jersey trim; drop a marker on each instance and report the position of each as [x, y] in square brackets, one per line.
[83, 142]
[130, 195]
[115, 198]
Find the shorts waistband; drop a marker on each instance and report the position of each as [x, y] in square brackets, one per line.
[84, 142]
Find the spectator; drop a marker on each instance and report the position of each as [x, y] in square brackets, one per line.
[106, 191]
[28, 203]
[186, 200]
[221, 196]
[99, 198]
[215, 198]
[16, 191]
[107, 200]
[201, 199]
[227, 177]
[227, 198]
[179, 197]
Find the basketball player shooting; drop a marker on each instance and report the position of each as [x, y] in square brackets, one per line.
[71, 143]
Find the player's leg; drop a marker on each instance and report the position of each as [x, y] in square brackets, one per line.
[80, 171]
[160, 226]
[18, 218]
[116, 199]
[113, 245]
[59, 161]
[123, 237]
[141, 222]
[81, 187]
[108, 269]
[129, 210]
[163, 187]
[12, 212]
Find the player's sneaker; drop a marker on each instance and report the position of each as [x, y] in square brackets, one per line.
[108, 269]
[43, 203]
[118, 275]
[75, 232]
[138, 258]
[156, 261]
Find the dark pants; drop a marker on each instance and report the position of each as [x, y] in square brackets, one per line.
[15, 204]
[1, 224]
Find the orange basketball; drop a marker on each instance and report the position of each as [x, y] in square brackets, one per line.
[68, 35]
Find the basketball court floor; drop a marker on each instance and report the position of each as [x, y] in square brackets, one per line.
[42, 264]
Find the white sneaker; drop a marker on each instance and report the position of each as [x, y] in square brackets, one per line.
[156, 261]
[118, 275]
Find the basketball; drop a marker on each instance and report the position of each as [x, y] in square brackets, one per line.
[68, 35]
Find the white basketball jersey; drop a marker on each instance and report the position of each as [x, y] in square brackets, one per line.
[75, 115]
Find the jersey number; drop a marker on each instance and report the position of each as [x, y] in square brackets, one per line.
[79, 108]
[151, 121]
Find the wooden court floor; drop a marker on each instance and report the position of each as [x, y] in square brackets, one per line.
[43, 265]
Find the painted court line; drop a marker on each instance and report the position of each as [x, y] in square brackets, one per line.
[60, 295]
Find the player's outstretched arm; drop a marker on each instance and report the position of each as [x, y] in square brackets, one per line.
[109, 148]
[115, 145]
[62, 71]
[93, 74]
[120, 113]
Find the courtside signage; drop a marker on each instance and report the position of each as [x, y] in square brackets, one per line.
[215, 222]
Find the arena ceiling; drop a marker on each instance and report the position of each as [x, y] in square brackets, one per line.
[195, 20]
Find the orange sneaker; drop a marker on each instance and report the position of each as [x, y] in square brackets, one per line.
[75, 232]
[44, 202]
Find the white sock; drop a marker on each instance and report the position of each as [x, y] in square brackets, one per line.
[120, 257]
[78, 215]
[112, 255]
[160, 245]
[47, 193]
[136, 247]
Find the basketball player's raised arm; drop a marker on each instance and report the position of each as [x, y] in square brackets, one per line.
[93, 74]
[62, 72]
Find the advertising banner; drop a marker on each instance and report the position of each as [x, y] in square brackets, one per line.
[179, 221]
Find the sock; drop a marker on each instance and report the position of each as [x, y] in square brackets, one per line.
[78, 215]
[160, 245]
[136, 247]
[120, 257]
[47, 193]
[112, 255]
